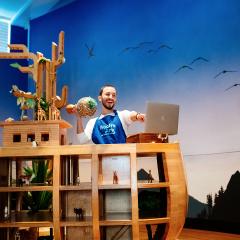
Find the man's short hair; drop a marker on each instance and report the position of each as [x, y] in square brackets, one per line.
[104, 86]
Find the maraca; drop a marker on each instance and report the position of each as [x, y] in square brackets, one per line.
[85, 106]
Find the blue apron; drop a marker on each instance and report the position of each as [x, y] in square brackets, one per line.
[108, 130]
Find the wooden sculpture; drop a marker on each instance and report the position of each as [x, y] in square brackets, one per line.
[43, 72]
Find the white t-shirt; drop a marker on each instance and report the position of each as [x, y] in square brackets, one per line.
[86, 136]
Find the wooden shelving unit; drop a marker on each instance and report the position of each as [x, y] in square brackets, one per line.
[99, 197]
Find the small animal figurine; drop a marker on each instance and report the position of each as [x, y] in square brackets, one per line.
[26, 179]
[41, 114]
[150, 177]
[34, 144]
[79, 212]
[115, 177]
[6, 212]
[17, 236]
[19, 182]
[78, 181]
[55, 112]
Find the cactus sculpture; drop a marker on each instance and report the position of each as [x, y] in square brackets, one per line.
[43, 71]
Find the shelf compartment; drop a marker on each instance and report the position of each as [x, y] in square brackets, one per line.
[110, 164]
[115, 204]
[151, 168]
[75, 199]
[153, 202]
[75, 169]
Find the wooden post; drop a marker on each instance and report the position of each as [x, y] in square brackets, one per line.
[134, 194]
[95, 198]
[56, 197]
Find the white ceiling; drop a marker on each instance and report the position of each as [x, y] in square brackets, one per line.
[20, 12]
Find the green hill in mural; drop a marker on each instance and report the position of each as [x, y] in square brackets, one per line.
[195, 207]
[227, 207]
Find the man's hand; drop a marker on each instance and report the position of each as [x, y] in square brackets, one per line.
[140, 117]
[137, 116]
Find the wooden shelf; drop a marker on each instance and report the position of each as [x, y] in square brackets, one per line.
[114, 186]
[26, 189]
[80, 187]
[115, 222]
[154, 185]
[26, 224]
[154, 220]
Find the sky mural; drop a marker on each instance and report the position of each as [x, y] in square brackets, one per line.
[182, 52]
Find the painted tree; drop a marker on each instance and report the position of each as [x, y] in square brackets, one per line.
[209, 204]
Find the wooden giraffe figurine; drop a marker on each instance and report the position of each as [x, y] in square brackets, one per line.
[41, 114]
[55, 112]
[115, 177]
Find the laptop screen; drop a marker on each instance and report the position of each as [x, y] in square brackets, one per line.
[162, 118]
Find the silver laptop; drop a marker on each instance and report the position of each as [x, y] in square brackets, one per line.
[162, 118]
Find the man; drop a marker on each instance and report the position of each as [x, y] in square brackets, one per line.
[111, 126]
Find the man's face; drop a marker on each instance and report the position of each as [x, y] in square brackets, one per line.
[108, 97]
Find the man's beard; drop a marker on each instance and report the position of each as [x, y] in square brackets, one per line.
[108, 107]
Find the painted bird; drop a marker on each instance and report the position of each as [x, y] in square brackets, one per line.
[223, 72]
[165, 46]
[141, 44]
[128, 49]
[234, 85]
[197, 59]
[184, 66]
[90, 50]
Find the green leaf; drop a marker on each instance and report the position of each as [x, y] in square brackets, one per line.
[15, 65]
[30, 103]
[40, 174]
[20, 100]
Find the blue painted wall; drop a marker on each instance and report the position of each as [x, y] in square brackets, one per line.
[11, 76]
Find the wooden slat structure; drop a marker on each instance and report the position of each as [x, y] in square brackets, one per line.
[102, 222]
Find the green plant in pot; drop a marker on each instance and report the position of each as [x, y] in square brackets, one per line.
[40, 175]
[35, 201]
